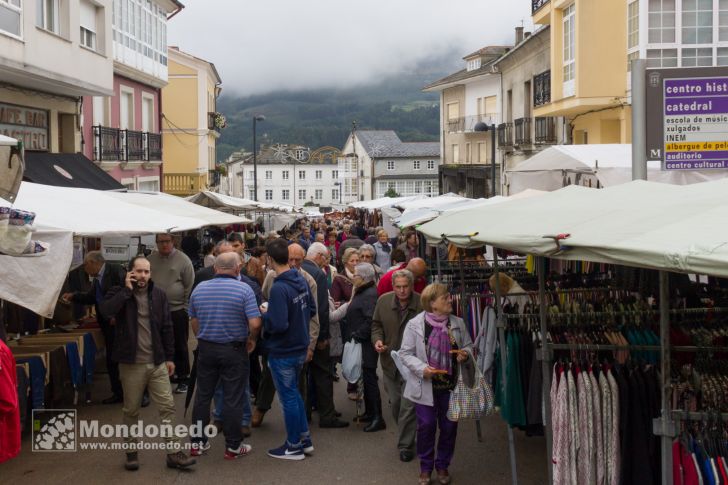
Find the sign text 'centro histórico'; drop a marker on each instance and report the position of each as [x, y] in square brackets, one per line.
[695, 123]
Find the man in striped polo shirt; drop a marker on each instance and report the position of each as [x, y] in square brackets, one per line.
[226, 320]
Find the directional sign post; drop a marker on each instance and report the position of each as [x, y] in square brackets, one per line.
[692, 108]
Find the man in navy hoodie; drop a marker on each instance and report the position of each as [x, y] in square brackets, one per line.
[286, 339]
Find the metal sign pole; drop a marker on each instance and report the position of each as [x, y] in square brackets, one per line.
[639, 120]
[664, 426]
[545, 364]
[502, 342]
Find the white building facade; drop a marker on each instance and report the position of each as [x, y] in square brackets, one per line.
[374, 162]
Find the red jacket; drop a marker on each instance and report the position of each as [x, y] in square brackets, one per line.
[385, 282]
[9, 407]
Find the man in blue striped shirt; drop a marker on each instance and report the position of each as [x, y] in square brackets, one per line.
[226, 320]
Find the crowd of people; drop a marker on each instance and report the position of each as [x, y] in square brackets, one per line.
[271, 314]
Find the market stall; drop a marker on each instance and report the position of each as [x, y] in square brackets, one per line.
[638, 224]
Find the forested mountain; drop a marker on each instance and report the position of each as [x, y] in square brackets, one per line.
[323, 117]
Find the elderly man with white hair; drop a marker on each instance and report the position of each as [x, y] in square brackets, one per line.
[359, 328]
[317, 257]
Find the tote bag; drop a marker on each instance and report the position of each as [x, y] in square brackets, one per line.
[470, 402]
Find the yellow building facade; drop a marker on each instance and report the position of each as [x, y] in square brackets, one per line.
[190, 124]
[589, 74]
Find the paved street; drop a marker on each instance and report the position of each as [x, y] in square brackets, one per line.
[345, 456]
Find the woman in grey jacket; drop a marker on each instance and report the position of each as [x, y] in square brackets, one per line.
[435, 347]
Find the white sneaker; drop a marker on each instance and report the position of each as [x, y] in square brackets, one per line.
[242, 450]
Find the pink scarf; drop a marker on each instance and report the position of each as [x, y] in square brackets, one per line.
[439, 345]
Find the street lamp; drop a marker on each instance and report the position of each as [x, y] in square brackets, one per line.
[256, 118]
[481, 126]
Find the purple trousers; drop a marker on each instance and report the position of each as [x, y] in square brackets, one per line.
[428, 420]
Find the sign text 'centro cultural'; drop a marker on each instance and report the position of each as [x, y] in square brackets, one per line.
[693, 106]
[30, 125]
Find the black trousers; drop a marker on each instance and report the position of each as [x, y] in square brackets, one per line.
[229, 365]
[112, 366]
[372, 397]
[323, 384]
[256, 373]
[181, 327]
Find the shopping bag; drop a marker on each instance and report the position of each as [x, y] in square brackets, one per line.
[470, 402]
[351, 361]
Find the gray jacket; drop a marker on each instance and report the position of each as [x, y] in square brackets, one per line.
[414, 356]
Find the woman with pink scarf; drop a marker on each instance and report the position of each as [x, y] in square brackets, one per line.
[435, 347]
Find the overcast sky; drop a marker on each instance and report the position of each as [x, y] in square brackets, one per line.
[264, 45]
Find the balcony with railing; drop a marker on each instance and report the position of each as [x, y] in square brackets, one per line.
[184, 184]
[545, 130]
[542, 89]
[466, 124]
[115, 145]
[505, 136]
[537, 4]
[522, 129]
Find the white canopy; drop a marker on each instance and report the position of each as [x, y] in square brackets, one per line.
[431, 202]
[7, 141]
[89, 212]
[644, 224]
[384, 202]
[221, 201]
[177, 206]
[608, 164]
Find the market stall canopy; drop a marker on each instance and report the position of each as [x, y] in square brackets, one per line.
[34, 282]
[605, 165]
[384, 202]
[174, 205]
[88, 212]
[420, 216]
[431, 202]
[67, 170]
[643, 224]
[221, 201]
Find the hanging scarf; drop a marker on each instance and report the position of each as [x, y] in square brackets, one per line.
[438, 345]
[349, 274]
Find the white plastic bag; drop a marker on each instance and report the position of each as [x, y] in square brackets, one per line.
[351, 361]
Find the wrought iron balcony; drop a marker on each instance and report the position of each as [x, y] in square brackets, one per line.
[466, 124]
[546, 130]
[505, 135]
[537, 4]
[542, 89]
[113, 144]
[523, 131]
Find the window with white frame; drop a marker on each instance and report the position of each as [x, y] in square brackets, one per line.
[334, 194]
[48, 15]
[147, 112]
[661, 57]
[268, 194]
[302, 195]
[569, 51]
[87, 21]
[697, 57]
[301, 175]
[722, 58]
[141, 25]
[269, 174]
[633, 32]
[697, 21]
[661, 22]
[319, 194]
[11, 13]
[300, 154]
[285, 175]
[723, 20]
[473, 64]
[390, 165]
[286, 194]
[334, 174]
[418, 187]
[430, 165]
[319, 174]
[416, 165]
[455, 153]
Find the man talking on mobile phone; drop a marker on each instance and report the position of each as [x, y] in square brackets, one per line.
[144, 349]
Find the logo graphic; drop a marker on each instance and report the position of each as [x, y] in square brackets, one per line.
[654, 79]
[54, 430]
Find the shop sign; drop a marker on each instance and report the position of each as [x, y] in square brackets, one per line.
[30, 125]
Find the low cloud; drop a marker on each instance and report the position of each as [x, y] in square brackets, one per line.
[262, 46]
